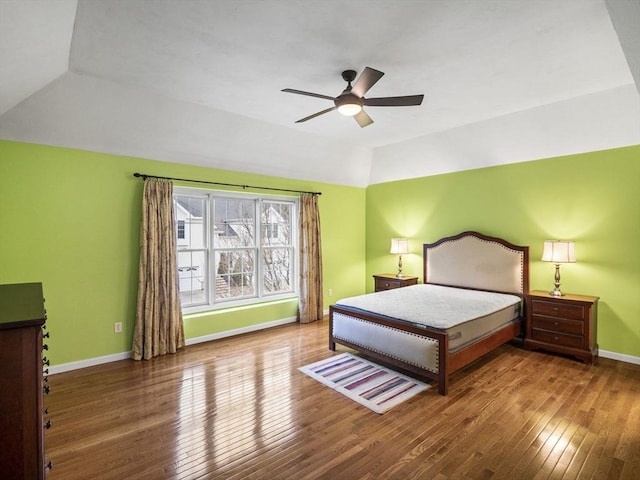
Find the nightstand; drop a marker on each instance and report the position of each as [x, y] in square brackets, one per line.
[387, 281]
[566, 324]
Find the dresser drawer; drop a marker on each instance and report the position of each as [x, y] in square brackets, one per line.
[560, 325]
[556, 309]
[555, 338]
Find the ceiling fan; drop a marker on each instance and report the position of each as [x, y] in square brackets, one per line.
[351, 100]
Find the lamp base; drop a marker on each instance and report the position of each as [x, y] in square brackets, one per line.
[556, 290]
[400, 275]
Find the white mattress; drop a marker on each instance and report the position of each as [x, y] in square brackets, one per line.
[466, 315]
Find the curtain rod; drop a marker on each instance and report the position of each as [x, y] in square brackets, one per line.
[144, 176]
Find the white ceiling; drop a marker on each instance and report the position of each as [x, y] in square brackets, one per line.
[199, 81]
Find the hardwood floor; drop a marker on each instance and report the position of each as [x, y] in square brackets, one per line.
[238, 408]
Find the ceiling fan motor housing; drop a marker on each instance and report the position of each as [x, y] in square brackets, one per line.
[348, 99]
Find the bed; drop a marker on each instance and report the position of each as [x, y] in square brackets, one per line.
[425, 339]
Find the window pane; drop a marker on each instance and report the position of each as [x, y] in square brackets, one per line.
[234, 223]
[192, 277]
[276, 223]
[189, 213]
[235, 274]
[277, 271]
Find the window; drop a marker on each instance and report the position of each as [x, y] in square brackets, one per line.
[181, 230]
[234, 248]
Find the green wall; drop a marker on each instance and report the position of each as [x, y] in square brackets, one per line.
[592, 198]
[70, 219]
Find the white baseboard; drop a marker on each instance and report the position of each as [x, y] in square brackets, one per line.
[90, 362]
[619, 356]
[239, 331]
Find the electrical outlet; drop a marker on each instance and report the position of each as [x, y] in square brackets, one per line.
[117, 327]
[330, 292]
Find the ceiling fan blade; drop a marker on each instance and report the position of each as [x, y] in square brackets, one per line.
[363, 119]
[316, 114]
[405, 101]
[367, 79]
[300, 92]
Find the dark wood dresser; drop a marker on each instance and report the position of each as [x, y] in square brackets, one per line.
[566, 324]
[22, 317]
[387, 281]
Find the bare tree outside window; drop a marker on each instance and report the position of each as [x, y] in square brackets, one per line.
[277, 247]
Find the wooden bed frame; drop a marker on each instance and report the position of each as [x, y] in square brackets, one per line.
[468, 260]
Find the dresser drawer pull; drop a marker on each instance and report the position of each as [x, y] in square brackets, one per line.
[555, 323]
[386, 284]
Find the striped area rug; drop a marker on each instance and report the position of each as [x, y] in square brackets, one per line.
[371, 385]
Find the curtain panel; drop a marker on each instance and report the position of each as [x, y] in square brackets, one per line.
[310, 306]
[159, 327]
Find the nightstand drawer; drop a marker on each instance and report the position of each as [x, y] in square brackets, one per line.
[387, 284]
[388, 281]
[556, 309]
[560, 325]
[555, 338]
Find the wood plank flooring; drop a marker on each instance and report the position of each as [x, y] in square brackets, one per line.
[238, 408]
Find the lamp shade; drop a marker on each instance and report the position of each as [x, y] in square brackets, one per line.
[399, 246]
[559, 251]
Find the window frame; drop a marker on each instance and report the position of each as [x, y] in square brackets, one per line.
[259, 296]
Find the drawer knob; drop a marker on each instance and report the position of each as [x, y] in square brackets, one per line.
[386, 284]
[555, 323]
[555, 309]
[555, 338]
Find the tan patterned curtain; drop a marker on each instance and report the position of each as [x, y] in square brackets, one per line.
[310, 308]
[159, 328]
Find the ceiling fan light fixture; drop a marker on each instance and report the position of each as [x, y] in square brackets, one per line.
[349, 104]
[349, 109]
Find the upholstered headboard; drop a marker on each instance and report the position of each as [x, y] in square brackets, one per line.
[477, 261]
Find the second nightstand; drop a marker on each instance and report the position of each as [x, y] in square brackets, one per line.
[566, 324]
[387, 281]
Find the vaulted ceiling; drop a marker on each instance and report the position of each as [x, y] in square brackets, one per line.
[200, 82]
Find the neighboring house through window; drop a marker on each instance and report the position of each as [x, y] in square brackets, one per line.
[234, 248]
